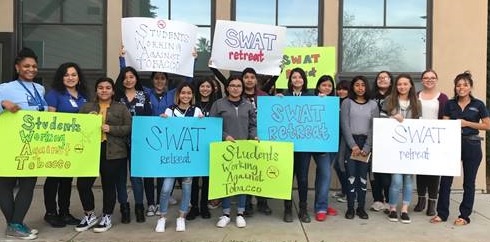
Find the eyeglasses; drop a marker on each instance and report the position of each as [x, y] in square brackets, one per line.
[429, 78]
[383, 78]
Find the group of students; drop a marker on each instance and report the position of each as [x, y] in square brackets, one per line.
[118, 101]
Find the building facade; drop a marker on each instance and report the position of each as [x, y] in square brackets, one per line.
[448, 36]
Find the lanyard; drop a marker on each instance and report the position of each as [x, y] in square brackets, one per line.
[37, 98]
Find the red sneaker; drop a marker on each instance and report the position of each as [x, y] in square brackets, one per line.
[320, 217]
[331, 211]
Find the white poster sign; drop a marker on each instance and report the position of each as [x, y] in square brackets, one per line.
[237, 46]
[159, 45]
[417, 146]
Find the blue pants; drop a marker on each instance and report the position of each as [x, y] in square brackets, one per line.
[168, 185]
[471, 156]
[404, 182]
[226, 204]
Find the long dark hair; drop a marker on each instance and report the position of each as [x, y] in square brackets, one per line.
[58, 85]
[120, 89]
[197, 94]
[303, 75]
[376, 94]
[322, 79]
[352, 94]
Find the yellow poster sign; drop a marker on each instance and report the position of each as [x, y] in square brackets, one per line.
[315, 61]
[262, 168]
[49, 144]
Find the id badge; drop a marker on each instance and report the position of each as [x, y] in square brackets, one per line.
[73, 103]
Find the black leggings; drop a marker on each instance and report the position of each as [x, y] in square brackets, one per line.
[109, 175]
[57, 187]
[15, 208]
[204, 192]
[429, 184]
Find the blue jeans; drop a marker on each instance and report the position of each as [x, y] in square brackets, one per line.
[137, 186]
[226, 204]
[471, 156]
[357, 176]
[397, 181]
[168, 185]
[322, 180]
[322, 177]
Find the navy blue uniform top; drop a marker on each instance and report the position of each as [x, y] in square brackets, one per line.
[473, 112]
[64, 102]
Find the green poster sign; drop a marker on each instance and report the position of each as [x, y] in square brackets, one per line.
[262, 168]
[49, 144]
[315, 61]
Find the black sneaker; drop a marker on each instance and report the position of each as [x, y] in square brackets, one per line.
[88, 221]
[69, 219]
[193, 213]
[249, 210]
[350, 213]
[104, 224]
[404, 218]
[393, 216]
[362, 213]
[205, 214]
[304, 216]
[54, 220]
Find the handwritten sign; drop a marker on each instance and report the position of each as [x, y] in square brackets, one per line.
[172, 147]
[312, 123]
[315, 61]
[249, 167]
[417, 146]
[159, 45]
[49, 144]
[238, 45]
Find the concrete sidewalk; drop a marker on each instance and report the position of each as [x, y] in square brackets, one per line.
[271, 228]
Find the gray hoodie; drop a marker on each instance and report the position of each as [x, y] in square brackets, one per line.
[238, 122]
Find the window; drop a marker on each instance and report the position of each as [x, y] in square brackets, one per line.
[299, 16]
[64, 30]
[197, 12]
[384, 35]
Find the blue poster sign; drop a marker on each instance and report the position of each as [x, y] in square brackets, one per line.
[310, 122]
[173, 146]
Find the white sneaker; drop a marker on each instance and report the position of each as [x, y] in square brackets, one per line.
[160, 228]
[180, 225]
[240, 222]
[157, 210]
[88, 221]
[223, 221]
[104, 224]
[377, 206]
[151, 211]
[172, 200]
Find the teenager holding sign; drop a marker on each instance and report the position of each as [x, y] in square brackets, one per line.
[116, 127]
[68, 95]
[474, 117]
[239, 123]
[400, 104]
[24, 94]
[205, 96]
[357, 113]
[183, 107]
[433, 103]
